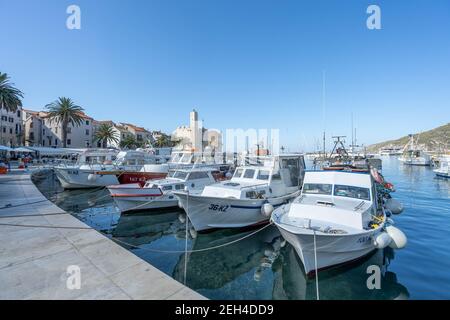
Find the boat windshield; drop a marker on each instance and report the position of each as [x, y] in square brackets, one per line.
[238, 173]
[317, 188]
[179, 175]
[263, 175]
[352, 192]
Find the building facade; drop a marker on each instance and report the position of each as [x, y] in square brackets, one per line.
[11, 127]
[195, 137]
[40, 130]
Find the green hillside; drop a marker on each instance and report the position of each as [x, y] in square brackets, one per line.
[433, 140]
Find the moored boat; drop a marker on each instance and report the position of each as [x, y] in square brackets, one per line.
[444, 168]
[338, 218]
[242, 201]
[103, 167]
[156, 194]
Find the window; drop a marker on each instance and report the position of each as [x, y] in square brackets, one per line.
[4, 129]
[179, 175]
[255, 194]
[276, 176]
[31, 136]
[69, 142]
[198, 175]
[18, 113]
[87, 122]
[263, 175]
[249, 173]
[87, 132]
[4, 118]
[69, 129]
[43, 131]
[179, 187]
[352, 192]
[165, 188]
[290, 169]
[10, 130]
[317, 188]
[31, 124]
[238, 173]
[11, 119]
[56, 130]
[56, 142]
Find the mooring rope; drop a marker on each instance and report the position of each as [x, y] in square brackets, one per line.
[137, 247]
[315, 262]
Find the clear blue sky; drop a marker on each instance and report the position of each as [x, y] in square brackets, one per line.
[241, 64]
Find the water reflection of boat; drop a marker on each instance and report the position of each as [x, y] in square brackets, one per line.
[213, 269]
[143, 228]
[347, 282]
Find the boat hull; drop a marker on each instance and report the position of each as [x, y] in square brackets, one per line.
[132, 197]
[73, 178]
[214, 212]
[416, 162]
[331, 250]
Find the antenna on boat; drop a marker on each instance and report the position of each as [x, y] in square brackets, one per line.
[323, 114]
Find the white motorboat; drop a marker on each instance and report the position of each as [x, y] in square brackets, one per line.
[338, 218]
[156, 194]
[444, 167]
[413, 155]
[241, 202]
[103, 167]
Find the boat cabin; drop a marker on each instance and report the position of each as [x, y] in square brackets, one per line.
[343, 198]
[267, 177]
[179, 179]
[134, 158]
[97, 156]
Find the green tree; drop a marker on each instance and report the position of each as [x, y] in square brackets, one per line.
[64, 111]
[106, 134]
[129, 142]
[10, 96]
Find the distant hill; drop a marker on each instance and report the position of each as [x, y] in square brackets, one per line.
[432, 140]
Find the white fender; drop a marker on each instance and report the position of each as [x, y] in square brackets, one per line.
[92, 177]
[394, 206]
[267, 209]
[193, 233]
[399, 239]
[382, 240]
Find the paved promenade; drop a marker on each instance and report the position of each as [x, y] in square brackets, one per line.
[34, 260]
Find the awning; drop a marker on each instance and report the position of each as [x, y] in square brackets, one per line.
[4, 148]
[22, 149]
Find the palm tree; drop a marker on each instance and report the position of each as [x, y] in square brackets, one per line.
[129, 142]
[64, 111]
[106, 134]
[10, 97]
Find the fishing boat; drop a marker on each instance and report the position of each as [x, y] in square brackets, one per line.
[156, 194]
[339, 217]
[103, 167]
[444, 167]
[390, 151]
[242, 201]
[413, 155]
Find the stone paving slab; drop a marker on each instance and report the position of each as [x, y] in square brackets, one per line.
[34, 261]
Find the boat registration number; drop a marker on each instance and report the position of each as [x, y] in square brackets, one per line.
[217, 207]
[364, 239]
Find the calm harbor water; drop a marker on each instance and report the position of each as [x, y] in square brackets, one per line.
[263, 266]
